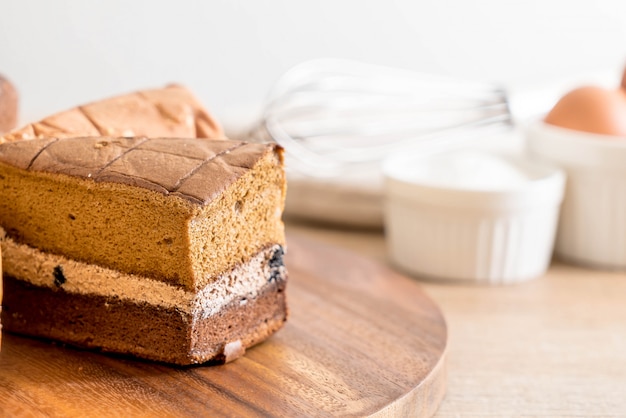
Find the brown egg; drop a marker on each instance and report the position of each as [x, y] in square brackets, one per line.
[592, 109]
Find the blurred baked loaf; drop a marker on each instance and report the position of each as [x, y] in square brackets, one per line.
[8, 105]
[169, 112]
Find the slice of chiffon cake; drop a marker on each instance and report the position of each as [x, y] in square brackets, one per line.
[165, 249]
[172, 111]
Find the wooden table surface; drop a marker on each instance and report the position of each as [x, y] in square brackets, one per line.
[551, 347]
[361, 340]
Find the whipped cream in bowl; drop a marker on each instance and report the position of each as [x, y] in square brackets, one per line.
[471, 216]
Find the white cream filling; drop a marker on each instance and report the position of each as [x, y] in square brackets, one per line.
[37, 267]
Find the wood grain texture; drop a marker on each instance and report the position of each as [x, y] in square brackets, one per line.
[361, 341]
[551, 347]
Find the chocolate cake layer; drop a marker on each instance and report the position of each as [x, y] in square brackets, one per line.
[167, 112]
[147, 331]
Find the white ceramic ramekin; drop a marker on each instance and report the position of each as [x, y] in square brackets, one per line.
[488, 236]
[592, 227]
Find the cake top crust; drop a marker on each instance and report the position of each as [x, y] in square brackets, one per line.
[172, 111]
[196, 170]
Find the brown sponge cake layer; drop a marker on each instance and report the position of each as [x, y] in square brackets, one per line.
[176, 210]
[140, 329]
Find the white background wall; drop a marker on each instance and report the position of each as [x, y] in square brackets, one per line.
[64, 52]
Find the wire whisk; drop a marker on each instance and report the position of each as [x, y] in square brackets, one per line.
[331, 114]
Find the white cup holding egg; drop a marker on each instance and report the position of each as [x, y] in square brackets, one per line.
[585, 134]
[471, 216]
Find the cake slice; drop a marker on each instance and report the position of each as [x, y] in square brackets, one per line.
[167, 112]
[165, 249]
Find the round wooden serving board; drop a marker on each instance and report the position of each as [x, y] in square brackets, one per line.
[361, 340]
